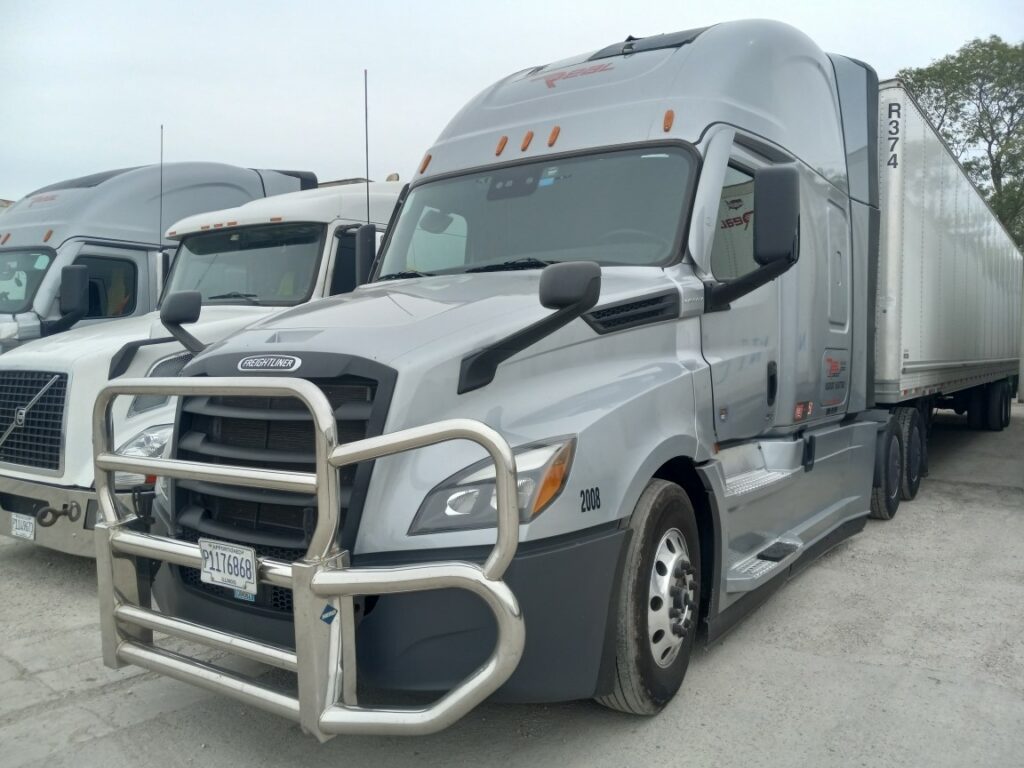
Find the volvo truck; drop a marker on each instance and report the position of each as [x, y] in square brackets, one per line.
[614, 379]
[91, 249]
[239, 265]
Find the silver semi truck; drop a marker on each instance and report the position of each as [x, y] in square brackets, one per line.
[245, 263]
[102, 233]
[612, 382]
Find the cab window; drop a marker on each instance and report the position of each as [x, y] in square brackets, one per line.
[113, 285]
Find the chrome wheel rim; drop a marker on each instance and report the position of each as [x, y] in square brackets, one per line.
[671, 599]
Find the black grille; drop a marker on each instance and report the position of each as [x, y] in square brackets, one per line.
[39, 440]
[269, 433]
[629, 314]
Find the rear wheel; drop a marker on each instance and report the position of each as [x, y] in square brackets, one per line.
[915, 446]
[885, 494]
[977, 408]
[998, 398]
[1008, 408]
[656, 621]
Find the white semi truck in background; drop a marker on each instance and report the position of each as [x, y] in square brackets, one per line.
[240, 265]
[648, 333]
[91, 248]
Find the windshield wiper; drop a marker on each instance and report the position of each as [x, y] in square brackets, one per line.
[250, 297]
[405, 274]
[527, 262]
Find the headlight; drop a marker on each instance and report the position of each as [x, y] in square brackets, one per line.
[468, 500]
[169, 366]
[149, 443]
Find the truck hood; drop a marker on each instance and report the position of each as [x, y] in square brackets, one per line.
[103, 340]
[385, 321]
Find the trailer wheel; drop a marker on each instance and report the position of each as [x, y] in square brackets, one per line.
[915, 447]
[996, 403]
[885, 494]
[656, 613]
[1008, 407]
[977, 407]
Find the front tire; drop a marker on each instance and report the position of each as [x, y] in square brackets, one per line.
[658, 602]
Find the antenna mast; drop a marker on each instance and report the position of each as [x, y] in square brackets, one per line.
[160, 222]
[366, 136]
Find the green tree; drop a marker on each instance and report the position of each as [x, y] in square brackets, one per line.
[975, 97]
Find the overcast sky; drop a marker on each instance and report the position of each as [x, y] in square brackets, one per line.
[84, 86]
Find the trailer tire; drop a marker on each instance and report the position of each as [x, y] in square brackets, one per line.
[995, 406]
[915, 448]
[1008, 407]
[643, 681]
[977, 407]
[888, 482]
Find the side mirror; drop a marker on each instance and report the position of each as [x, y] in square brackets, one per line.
[366, 251]
[570, 284]
[74, 299]
[179, 308]
[777, 214]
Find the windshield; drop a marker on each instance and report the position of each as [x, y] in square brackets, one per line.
[273, 265]
[623, 207]
[21, 273]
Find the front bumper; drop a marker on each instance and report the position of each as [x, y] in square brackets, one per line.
[65, 517]
[324, 583]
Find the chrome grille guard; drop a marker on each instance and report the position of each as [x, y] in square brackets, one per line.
[324, 658]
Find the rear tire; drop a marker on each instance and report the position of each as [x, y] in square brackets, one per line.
[885, 493]
[1008, 408]
[657, 606]
[977, 408]
[996, 402]
[915, 450]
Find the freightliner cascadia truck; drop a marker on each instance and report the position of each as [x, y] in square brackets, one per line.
[90, 249]
[614, 378]
[241, 264]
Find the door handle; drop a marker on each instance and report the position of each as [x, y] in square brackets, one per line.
[773, 382]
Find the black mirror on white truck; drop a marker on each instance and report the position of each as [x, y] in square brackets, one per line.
[179, 308]
[366, 251]
[74, 299]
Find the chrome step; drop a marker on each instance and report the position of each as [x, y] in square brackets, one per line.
[753, 571]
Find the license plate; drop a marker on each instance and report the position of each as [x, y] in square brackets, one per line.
[23, 526]
[228, 565]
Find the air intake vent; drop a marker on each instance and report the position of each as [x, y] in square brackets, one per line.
[32, 418]
[634, 312]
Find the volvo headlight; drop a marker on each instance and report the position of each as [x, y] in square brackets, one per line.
[468, 500]
[149, 443]
[169, 366]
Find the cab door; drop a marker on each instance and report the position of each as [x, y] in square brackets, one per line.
[741, 343]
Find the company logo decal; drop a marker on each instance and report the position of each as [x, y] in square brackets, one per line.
[735, 203]
[269, 363]
[736, 221]
[593, 69]
[328, 613]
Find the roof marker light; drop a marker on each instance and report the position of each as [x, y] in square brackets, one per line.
[6, 238]
[232, 223]
[553, 137]
[172, 233]
[277, 218]
[526, 141]
[47, 236]
[217, 226]
[670, 117]
[205, 226]
[426, 161]
[501, 145]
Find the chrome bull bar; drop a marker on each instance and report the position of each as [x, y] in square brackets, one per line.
[324, 658]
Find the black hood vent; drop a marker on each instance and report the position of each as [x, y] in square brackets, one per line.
[634, 312]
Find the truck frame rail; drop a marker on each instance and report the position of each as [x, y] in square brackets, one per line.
[323, 582]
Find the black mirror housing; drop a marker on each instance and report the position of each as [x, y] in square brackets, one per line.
[182, 307]
[74, 299]
[570, 284]
[776, 214]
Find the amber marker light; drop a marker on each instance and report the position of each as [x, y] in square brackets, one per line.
[670, 117]
[553, 136]
[526, 141]
[276, 218]
[554, 478]
[426, 161]
[501, 145]
[48, 235]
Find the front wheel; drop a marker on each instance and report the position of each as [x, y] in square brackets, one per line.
[657, 607]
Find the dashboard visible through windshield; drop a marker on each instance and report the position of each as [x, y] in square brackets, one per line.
[21, 273]
[624, 207]
[273, 265]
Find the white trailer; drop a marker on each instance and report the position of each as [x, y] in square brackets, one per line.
[948, 310]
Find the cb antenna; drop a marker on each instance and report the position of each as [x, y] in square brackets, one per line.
[366, 137]
[160, 219]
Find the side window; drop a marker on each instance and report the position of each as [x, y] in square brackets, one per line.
[438, 242]
[113, 284]
[732, 253]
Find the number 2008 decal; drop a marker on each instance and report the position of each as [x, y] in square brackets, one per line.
[590, 499]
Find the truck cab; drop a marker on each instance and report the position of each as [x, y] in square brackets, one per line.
[109, 224]
[606, 388]
[244, 263]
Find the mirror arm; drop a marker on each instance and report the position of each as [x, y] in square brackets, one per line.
[718, 296]
[186, 339]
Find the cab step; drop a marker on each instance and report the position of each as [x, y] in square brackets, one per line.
[753, 571]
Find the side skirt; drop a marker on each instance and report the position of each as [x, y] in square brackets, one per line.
[719, 625]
